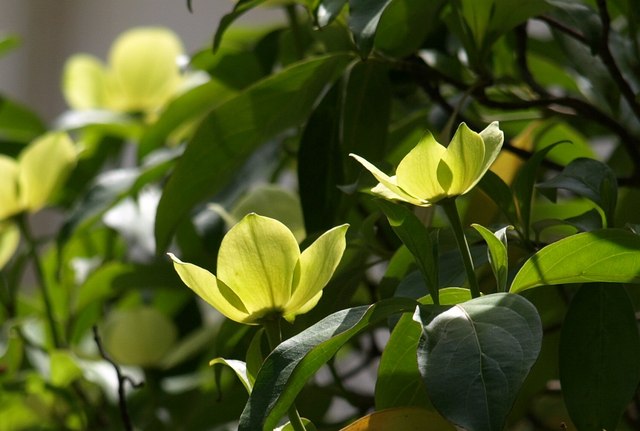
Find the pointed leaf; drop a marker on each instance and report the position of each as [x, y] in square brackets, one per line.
[239, 9]
[607, 255]
[415, 236]
[364, 16]
[293, 362]
[497, 249]
[230, 133]
[591, 179]
[475, 357]
[328, 10]
[238, 367]
[599, 356]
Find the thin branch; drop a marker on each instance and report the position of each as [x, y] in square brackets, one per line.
[610, 62]
[521, 60]
[122, 381]
[555, 24]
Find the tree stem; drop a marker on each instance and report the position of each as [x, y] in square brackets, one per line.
[44, 285]
[274, 335]
[450, 209]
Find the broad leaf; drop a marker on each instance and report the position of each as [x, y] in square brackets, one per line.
[293, 362]
[363, 22]
[497, 249]
[607, 255]
[232, 131]
[599, 356]
[591, 179]
[328, 10]
[239, 9]
[475, 357]
[415, 237]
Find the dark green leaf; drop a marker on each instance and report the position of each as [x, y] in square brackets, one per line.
[493, 186]
[232, 131]
[328, 10]
[293, 362]
[591, 179]
[415, 237]
[239, 9]
[17, 123]
[363, 22]
[365, 117]
[523, 185]
[475, 357]
[8, 43]
[320, 164]
[599, 356]
[607, 255]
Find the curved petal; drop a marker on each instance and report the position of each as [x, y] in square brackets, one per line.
[84, 82]
[9, 240]
[257, 260]
[418, 171]
[9, 200]
[493, 139]
[43, 167]
[304, 308]
[388, 188]
[205, 285]
[144, 69]
[464, 158]
[317, 264]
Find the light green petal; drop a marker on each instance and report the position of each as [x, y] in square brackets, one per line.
[317, 264]
[464, 158]
[304, 308]
[43, 167]
[387, 187]
[205, 285]
[257, 260]
[84, 82]
[493, 139]
[9, 240]
[9, 200]
[144, 70]
[418, 171]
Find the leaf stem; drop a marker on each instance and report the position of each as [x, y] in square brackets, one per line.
[450, 209]
[274, 335]
[44, 285]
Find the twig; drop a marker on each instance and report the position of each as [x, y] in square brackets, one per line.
[122, 380]
[610, 62]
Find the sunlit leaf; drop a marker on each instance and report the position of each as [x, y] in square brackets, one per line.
[497, 249]
[609, 255]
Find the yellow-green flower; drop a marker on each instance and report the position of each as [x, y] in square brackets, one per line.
[263, 274]
[142, 75]
[432, 172]
[28, 183]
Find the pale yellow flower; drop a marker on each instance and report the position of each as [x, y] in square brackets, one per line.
[432, 172]
[261, 272]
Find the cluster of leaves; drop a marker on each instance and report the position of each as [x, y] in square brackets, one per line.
[167, 157]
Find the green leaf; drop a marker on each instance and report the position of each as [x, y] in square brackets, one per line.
[293, 362]
[188, 107]
[523, 185]
[239, 9]
[363, 22]
[497, 249]
[238, 367]
[328, 10]
[475, 357]
[232, 131]
[607, 255]
[599, 356]
[18, 123]
[399, 383]
[494, 187]
[415, 237]
[320, 164]
[591, 179]
[64, 369]
[365, 114]
[8, 43]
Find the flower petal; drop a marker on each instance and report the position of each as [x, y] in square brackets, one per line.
[205, 285]
[84, 82]
[257, 260]
[43, 168]
[418, 171]
[9, 240]
[144, 68]
[317, 264]
[493, 139]
[387, 188]
[9, 200]
[464, 158]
